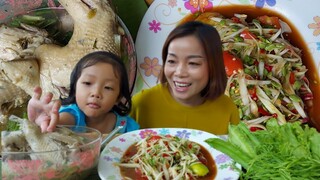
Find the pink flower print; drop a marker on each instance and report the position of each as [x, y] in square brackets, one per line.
[126, 42]
[87, 159]
[26, 166]
[11, 8]
[29, 177]
[123, 122]
[122, 140]
[154, 26]
[196, 5]
[82, 160]
[27, 4]
[147, 133]
[50, 174]
[172, 3]
[315, 26]
[151, 67]
[52, 3]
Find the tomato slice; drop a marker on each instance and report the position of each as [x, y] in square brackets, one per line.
[235, 19]
[232, 63]
[268, 67]
[292, 78]
[269, 20]
[253, 93]
[246, 34]
[154, 138]
[253, 129]
[139, 175]
[263, 112]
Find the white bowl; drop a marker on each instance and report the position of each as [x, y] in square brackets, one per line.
[77, 163]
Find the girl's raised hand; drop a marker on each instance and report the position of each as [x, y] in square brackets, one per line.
[43, 110]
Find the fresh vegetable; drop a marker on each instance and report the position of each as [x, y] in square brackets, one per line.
[235, 153]
[289, 151]
[13, 125]
[246, 34]
[232, 63]
[199, 169]
[266, 76]
[270, 20]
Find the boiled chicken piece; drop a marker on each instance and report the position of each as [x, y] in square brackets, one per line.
[17, 43]
[94, 30]
[11, 97]
[30, 138]
[19, 70]
[23, 73]
[17, 81]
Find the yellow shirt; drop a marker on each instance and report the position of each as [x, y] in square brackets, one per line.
[156, 108]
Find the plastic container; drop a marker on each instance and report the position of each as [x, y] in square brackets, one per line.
[71, 163]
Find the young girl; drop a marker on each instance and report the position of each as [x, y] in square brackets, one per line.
[193, 81]
[99, 97]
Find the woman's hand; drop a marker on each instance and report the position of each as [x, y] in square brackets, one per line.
[43, 110]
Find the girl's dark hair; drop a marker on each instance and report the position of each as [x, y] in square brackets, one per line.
[211, 43]
[124, 105]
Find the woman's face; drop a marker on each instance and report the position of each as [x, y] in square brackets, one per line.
[97, 90]
[186, 70]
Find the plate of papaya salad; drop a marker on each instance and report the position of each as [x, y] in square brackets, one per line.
[165, 153]
[271, 54]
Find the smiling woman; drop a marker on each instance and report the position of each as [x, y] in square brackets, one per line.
[267, 77]
[248, 23]
[192, 84]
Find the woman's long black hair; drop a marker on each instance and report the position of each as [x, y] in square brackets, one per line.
[124, 105]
